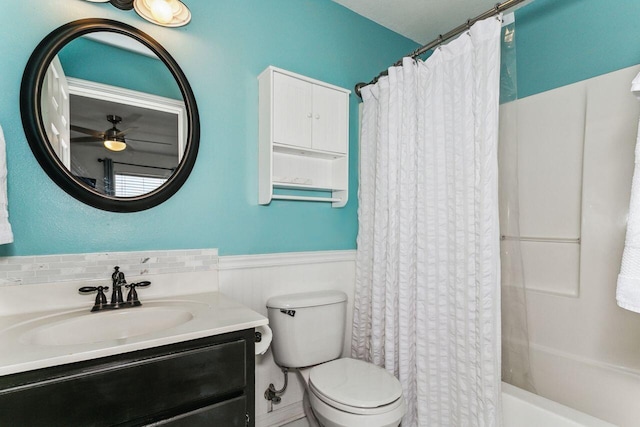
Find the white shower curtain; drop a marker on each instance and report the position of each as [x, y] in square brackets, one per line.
[427, 303]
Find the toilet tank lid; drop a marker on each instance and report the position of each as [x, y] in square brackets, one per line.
[307, 299]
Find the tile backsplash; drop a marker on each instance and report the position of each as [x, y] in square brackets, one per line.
[60, 268]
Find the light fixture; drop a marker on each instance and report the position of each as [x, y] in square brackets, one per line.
[115, 144]
[167, 13]
[114, 138]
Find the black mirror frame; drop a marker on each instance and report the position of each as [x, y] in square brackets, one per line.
[31, 111]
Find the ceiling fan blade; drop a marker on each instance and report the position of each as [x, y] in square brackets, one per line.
[149, 142]
[86, 139]
[130, 148]
[124, 132]
[132, 118]
[92, 132]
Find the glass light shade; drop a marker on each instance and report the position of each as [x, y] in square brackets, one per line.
[168, 13]
[114, 145]
[162, 11]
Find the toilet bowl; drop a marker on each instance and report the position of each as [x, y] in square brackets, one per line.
[352, 393]
[343, 392]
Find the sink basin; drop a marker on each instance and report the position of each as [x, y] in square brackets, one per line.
[85, 328]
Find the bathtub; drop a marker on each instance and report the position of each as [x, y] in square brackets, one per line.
[523, 409]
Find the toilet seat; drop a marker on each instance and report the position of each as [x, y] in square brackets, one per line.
[355, 410]
[356, 387]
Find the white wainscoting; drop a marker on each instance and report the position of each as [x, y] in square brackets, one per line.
[253, 279]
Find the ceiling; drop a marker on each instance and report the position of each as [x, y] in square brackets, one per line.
[419, 20]
[150, 131]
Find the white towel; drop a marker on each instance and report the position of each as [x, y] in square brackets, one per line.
[635, 86]
[628, 293]
[6, 235]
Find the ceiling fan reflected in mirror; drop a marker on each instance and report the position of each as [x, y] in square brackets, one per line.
[113, 138]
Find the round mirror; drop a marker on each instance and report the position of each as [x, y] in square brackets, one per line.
[109, 115]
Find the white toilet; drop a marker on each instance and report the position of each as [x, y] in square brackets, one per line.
[308, 335]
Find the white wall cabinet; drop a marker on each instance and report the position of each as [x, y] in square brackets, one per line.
[303, 138]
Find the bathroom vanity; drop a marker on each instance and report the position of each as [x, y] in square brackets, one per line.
[209, 381]
[198, 370]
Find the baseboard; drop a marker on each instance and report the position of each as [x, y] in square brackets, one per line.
[280, 416]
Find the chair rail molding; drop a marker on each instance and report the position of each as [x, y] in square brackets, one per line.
[234, 262]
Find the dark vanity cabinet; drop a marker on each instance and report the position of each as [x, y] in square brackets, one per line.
[204, 382]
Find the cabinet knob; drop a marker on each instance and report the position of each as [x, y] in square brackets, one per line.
[309, 115]
[317, 116]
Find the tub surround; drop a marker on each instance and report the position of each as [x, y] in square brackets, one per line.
[584, 351]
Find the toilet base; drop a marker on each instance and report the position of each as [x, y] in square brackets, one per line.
[308, 411]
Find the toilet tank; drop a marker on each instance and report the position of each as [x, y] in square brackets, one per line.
[308, 328]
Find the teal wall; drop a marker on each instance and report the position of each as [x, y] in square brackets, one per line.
[85, 59]
[222, 51]
[560, 42]
[224, 48]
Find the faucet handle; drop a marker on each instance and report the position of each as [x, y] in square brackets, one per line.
[143, 284]
[101, 298]
[132, 296]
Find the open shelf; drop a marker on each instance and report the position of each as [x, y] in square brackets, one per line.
[303, 151]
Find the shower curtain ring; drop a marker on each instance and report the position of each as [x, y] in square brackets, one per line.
[497, 9]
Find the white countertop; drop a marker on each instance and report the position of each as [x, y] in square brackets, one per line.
[213, 314]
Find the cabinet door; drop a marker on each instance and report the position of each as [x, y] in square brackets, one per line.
[231, 413]
[330, 119]
[126, 390]
[292, 111]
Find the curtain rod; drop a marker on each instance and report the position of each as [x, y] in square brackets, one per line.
[141, 166]
[498, 8]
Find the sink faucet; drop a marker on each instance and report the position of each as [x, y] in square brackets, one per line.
[118, 281]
